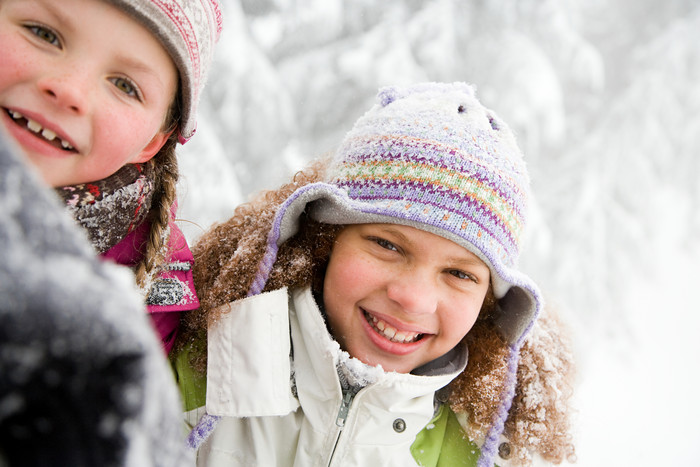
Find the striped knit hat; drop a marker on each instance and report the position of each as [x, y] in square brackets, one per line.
[188, 29]
[430, 156]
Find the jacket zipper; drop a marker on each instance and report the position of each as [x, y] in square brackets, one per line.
[343, 411]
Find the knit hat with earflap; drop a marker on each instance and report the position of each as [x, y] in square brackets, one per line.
[430, 156]
[188, 29]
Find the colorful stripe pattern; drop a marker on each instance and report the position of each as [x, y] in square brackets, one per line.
[457, 187]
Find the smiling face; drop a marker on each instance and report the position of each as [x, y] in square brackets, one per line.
[401, 297]
[84, 89]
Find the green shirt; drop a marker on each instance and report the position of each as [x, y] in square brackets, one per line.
[443, 443]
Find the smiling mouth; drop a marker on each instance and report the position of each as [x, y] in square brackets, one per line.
[40, 131]
[391, 333]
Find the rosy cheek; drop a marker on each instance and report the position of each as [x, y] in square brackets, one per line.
[353, 268]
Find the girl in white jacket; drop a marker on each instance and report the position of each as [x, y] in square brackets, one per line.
[377, 317]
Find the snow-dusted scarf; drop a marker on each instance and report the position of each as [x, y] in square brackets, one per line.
[112, 207]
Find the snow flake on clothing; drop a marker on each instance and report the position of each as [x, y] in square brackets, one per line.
[166, 292]
[172, 290]
[109, 209]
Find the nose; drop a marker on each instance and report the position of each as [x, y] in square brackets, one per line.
[66, 90]
[414, 292]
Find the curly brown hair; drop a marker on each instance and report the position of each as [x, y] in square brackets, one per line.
[226, 263]
[539, 418]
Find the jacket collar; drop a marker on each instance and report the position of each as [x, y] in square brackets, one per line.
[249, 365]
[317, 354]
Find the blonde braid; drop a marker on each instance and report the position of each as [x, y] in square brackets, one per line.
[165, 170]
[165, 176]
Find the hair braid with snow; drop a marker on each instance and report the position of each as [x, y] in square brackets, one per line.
[165, 174]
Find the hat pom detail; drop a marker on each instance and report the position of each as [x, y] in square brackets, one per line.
[387, 95]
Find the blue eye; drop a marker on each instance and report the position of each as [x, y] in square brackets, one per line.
[462, 275]
[45, 34]
[126, 86]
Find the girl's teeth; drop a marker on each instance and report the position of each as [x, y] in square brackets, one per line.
[37, 128]
[392, 333]
[48, 134]
[34, 126]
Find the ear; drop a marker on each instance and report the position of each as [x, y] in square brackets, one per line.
[152, 147]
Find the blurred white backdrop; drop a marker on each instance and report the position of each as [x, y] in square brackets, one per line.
[605, 99]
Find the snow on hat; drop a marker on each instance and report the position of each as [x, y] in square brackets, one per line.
[188, 29]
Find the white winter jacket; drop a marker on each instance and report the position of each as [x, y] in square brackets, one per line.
[272, 378]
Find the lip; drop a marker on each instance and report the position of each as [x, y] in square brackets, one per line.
[31, 141]
[385, 344]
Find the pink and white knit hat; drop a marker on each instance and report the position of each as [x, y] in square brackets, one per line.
[188, 29]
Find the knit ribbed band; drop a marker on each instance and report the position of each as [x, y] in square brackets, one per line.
[188, 29]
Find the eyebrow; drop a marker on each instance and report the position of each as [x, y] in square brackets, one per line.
[138, 65]
[134, 67]
[64, 19]
[391, 231]
[471, 260]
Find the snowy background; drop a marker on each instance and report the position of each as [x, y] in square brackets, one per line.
[605, 99]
